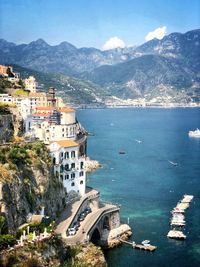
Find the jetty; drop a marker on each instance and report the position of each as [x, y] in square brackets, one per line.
[146, 247]
[178, 217]
[187, 199]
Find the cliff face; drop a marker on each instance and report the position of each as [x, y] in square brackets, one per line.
[27, 183]
[10, 124]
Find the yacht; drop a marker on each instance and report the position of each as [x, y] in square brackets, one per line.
[195, 133]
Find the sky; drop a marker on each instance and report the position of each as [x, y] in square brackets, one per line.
[103, 24]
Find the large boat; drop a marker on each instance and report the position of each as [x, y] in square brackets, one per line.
[195, 133]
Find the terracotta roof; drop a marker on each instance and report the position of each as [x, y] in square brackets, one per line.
[66, 109]
[40, 114]
[66, 143]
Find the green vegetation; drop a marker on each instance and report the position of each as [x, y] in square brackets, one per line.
[71, 89]
[20, 92]
[7, 240]
[17, 154]
[4, 84]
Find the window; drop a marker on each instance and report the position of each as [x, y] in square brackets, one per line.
[66, 155]
[81, 173]
[81, 182]
[73, 166]
[73, 154]
[82, 164]
[61, 177]
[72, 184]
[67, 167]
[61, 154]
[67, 177]
[73, 175]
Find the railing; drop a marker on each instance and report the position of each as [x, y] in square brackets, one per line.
[109, 210]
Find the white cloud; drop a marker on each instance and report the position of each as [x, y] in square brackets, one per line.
[113, 42]
[158, 33]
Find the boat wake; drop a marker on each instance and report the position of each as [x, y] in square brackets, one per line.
[173, 163]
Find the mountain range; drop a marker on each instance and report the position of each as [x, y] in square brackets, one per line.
[170, 66]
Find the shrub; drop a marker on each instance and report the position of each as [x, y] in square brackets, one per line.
[7, 240]
[18, 155]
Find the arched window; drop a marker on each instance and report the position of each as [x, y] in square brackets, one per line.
[81, 182]
[81, 173]
[67, 167]
[67, 176]
[73, 175]
[54, 161]
[73, 166]
[66, 155]
[72, 184]
[73, 154]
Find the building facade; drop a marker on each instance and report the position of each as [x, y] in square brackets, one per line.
[69, 166]
[30, 84]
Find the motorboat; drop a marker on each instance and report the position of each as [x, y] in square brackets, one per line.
[178, 210]
[145, 242]
[195, 133]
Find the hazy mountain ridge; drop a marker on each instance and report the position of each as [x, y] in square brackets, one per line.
[171, 64]
[64, 58]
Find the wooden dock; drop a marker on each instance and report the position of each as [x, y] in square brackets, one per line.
[146, 247]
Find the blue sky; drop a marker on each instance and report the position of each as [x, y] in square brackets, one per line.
[91, 23]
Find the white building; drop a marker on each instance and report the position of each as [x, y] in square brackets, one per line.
[31, 84]
[52, 123]
[6, 98]
[69, 165]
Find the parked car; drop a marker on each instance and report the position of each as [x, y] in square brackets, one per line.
[82, 216]
[76, 225]
[88, 210]
[72, 231]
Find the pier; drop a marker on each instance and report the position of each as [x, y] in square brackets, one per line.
[146, 247]
[178, 217]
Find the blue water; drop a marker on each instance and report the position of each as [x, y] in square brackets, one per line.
[144, 182]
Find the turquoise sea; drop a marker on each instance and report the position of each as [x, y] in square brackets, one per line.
[144, 182]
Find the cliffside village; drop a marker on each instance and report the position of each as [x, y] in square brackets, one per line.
[47, 119]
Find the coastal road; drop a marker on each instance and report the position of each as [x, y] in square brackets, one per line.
[71, 210]
[88, 223]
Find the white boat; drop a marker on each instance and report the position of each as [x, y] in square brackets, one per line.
[138, 141]
[195, 133]
[145, 242]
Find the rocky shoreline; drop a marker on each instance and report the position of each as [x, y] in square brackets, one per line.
[91, 165]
